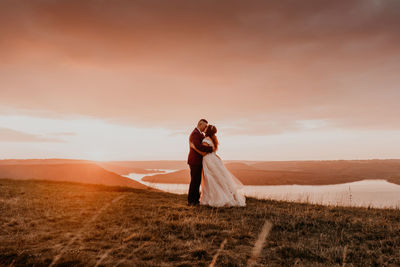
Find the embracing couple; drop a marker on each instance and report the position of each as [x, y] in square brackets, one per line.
[219, 188]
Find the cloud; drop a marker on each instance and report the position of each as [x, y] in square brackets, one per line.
[63, 134]
[10, 135]
[158, 63]
[273, 127]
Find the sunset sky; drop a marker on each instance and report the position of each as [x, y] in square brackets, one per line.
[128, 80]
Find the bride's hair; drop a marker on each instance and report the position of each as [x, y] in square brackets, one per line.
[210, 132]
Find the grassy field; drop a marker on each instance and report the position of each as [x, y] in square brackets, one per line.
[62, 224]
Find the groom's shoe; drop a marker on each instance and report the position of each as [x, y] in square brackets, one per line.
[193, 204]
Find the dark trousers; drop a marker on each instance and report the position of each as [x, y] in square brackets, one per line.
[195, 181]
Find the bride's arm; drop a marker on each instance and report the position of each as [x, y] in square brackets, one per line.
[198, 151]
[197, 142]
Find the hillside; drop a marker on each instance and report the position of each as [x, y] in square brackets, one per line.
[72, 172]
[65, 224]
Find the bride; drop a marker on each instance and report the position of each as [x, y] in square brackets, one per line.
[219, 187]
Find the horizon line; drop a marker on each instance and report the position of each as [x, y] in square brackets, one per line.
[147, 160]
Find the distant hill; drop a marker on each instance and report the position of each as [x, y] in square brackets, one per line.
[367, 168]
[178, 177]
[249, 172]
[246, 174]
[337, 170]
[41, 161]
[73, 172]
[299, 172]
[119, 167]
[122, 169]
[126, 167]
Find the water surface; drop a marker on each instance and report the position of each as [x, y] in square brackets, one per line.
[365, 193]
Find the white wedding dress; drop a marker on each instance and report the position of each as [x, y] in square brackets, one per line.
[219, 187]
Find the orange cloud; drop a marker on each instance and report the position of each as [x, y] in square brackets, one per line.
[10, 135]
[258, 66]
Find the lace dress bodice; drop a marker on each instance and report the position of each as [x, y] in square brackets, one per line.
[208, 141]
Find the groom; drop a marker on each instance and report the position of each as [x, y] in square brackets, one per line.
[195, 161]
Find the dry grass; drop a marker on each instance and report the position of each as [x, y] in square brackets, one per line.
[88, 225]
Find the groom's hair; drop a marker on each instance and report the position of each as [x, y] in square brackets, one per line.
[202, 120]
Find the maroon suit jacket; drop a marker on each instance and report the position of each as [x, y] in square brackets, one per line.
[194, 158]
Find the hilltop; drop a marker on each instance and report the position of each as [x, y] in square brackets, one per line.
[45, 222]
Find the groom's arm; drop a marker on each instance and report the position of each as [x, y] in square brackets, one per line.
[196, 140]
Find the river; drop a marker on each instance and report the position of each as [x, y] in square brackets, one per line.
[365, 193]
